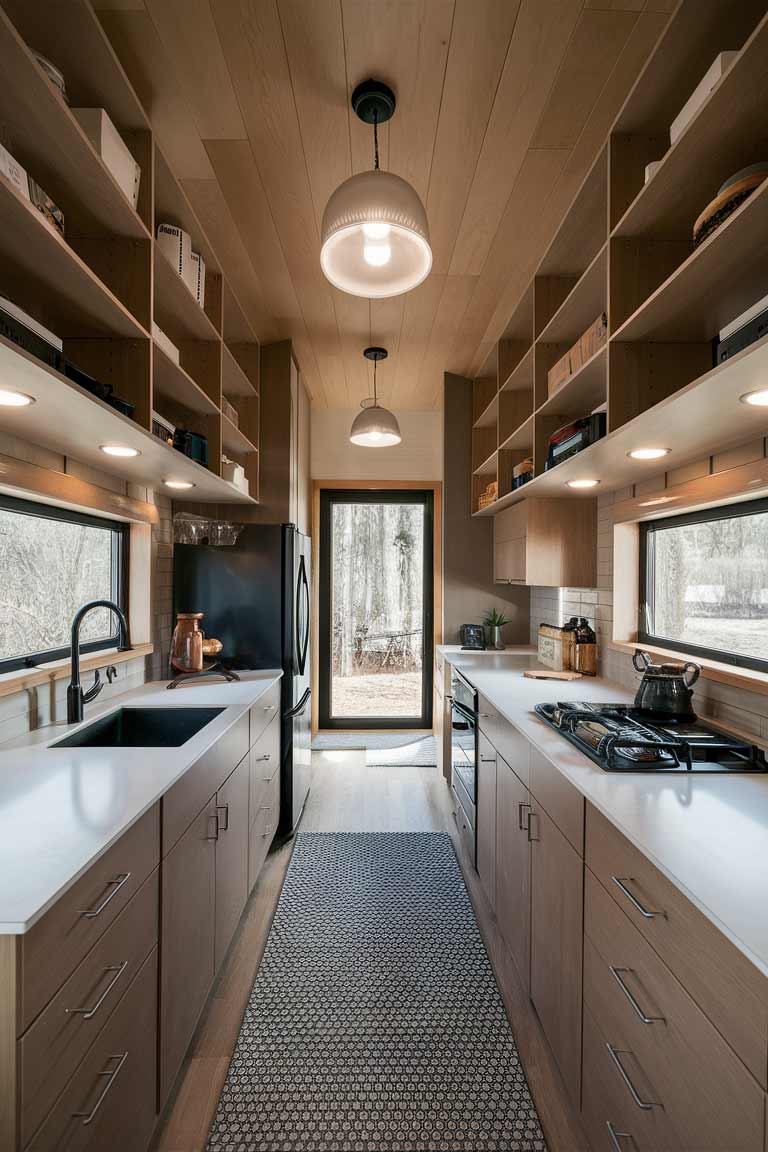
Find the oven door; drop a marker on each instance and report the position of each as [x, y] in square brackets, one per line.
[464, 745]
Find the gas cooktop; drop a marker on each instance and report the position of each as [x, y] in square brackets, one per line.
[620, 739]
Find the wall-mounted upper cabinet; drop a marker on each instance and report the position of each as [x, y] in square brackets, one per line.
[547, 543]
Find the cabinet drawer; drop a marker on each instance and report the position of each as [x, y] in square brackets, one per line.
[515, 749]
[264, 711]
[558, 798]
[711, 1102]
[263, 828]
[488, 718]
[611, 1118]
[110, 1100]
[728, 989]
[52, 1048]
[53, 948]
[264, 762]
[464, 825]
[189, 796]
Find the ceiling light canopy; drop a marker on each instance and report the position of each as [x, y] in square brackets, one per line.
[649, 453]
[582, 483]
[375, 427]
[375, 237]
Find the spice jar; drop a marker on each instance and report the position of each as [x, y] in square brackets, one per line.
[187, 643]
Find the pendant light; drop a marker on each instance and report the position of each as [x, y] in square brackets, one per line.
[375, 238]
[375, 427]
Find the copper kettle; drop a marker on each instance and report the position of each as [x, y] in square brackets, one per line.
[666, 690]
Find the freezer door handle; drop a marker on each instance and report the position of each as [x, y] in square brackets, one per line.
[298, 709]
[302, 618]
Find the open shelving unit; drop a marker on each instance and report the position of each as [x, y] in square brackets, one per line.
[625, 248]
[103, 285]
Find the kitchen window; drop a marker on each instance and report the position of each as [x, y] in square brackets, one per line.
[51, 562]
[704, 584]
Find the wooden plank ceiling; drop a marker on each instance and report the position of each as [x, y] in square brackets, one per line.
[502, 106]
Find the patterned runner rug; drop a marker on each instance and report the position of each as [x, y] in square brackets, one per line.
[374, 1022]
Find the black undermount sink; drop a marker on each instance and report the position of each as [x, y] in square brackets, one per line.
[141, 728]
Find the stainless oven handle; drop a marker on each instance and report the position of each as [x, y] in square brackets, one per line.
[465, 712]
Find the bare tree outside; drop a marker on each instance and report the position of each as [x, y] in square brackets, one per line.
[711, 584]
[48, 568]
[377, 581]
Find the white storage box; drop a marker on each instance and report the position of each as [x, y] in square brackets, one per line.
[167, 345]
[198, 269]
[233, 473]
[113, 150]
[716, 70]
[14, 173]
[176, 245]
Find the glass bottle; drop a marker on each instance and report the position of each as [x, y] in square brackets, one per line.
[187, 643]
[585, 648]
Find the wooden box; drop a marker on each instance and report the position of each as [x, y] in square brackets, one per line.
[558, 374]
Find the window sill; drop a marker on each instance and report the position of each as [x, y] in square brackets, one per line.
[746, 678]
[24, 678]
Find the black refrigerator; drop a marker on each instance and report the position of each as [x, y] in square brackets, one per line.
[255, 596]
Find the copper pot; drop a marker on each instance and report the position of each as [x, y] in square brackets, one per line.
[187, 642]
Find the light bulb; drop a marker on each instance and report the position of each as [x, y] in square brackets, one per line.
[178, 484]
[758, 399]
[9, 398]
[118, 450]
[377, 255]
[376, 231]
[581, 483]
[648, 453]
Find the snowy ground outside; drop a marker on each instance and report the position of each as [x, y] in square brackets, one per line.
[379, 694]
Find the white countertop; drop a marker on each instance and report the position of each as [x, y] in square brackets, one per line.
[707, 833]
[62, 808]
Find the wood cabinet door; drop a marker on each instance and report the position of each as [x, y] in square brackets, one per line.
[231, 856]
[303, 470]
[485, 832]
[188, 938]
[513, 866]
[557, 920]
[509, 561]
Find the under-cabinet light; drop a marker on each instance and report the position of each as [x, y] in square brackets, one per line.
[581, 483]
[118, 450]
[178, 483]
[758, 398]
[648, 453]
[10, 398]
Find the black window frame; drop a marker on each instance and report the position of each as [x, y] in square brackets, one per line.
[648, 528]
[119, 576]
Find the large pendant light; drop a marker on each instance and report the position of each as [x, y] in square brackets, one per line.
[375, 427]
[375, 238]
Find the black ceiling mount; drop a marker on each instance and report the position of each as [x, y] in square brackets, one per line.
[373, 102]
[375, 354]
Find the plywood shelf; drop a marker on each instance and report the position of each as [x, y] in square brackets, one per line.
[488, 466]
[176, 309]
[521, 439]
[583, 392]
[233, 440]
[727, 134]
[583, 304]
[235, 381]
[49, 142]
[172, 381]
[69, 420]
[489, 415]
[674, 423]
[521, 376]
[582, 233]
[46, 277]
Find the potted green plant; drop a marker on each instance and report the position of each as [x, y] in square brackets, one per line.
[493, 622]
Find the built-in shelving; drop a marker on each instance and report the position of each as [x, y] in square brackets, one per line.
[101, 286]
[625, 248]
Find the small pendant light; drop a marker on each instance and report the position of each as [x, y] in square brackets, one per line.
[375, 427]
[375, 238]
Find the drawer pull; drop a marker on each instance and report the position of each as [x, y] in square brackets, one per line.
[621, 884]
[257, 759]
[222, 822]
[115, 885]
[87, 1013]
[488, 759]
[617, 1136]
[89, 1117]
[614, 1054]
[215, 817]
[617, 975]
[531, 817]
[520, 823]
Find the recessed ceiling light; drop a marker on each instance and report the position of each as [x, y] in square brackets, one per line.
[581, 483]
[10, 398]
[758, 398]
[178, 483]
[118, 450]
[648, 453]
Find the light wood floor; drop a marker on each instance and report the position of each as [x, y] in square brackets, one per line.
[348, 796]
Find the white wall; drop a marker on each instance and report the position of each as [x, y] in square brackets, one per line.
[417, 457]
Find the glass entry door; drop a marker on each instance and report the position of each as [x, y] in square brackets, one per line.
[376, 590]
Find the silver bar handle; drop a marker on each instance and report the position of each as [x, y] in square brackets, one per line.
[115, 885]
[617, 1136]
[617, 975]
[520, 807]
[533, 816]
[87, 1013]
[614, 1053]
[646, 913]
[89, 1117]
[258, 759]
[222, 826]
[215, 817]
